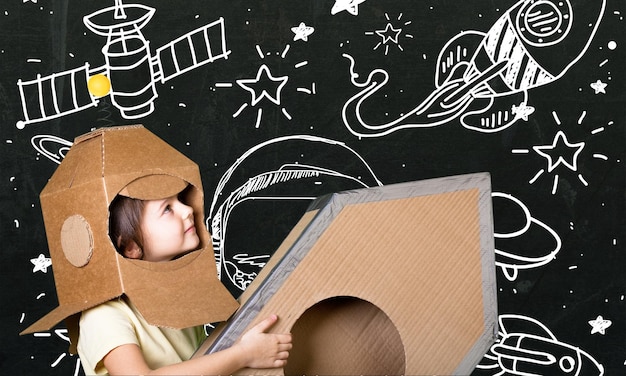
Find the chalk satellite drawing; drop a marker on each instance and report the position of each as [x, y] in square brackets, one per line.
[484, 78]
[127, 55]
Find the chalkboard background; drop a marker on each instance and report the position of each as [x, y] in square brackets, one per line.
[274, 96]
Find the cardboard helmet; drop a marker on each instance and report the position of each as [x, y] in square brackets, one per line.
[88, 270]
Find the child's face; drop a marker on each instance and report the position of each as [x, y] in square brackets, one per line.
[168, 229]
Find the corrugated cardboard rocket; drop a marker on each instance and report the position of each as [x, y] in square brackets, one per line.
[397, 279]
[88, 270]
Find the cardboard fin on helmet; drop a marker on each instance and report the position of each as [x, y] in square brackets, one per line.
[131, 161]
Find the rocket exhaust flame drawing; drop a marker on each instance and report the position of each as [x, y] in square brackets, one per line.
[484, 78]
[129, 66]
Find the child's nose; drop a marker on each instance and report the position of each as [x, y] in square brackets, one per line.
[186, 210]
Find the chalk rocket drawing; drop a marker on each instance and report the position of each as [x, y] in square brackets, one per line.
[309, 176]
[526, 347]
[510, 255]
[127, 57]
[484, 78]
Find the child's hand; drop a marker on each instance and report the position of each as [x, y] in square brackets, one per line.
[265, 350]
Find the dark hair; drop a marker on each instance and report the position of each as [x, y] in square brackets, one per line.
[125, 222]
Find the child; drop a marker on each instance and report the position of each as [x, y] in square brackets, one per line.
[115, 338]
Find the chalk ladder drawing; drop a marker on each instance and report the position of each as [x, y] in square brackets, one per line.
[129, 66]
[484, 78]
[526, 347]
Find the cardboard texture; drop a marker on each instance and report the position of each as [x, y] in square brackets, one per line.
[397, 279]
[88, 270]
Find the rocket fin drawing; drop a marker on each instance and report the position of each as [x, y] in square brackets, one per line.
[483, 79]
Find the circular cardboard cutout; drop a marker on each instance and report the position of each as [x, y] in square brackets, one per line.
[345, 335]
[77, 240]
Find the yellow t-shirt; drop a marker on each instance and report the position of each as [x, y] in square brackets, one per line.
[117, 323]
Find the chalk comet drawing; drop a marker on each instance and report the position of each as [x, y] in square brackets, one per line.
[526, 347]
[257, 184]
[129, 66]
[480, 77]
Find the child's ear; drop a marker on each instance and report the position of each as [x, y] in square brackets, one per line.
[132, 251]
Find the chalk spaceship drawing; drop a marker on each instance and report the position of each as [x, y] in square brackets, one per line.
[484, 78]
[129, 66]
[530, 244]
[526, 347]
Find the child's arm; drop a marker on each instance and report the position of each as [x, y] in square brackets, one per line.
[255, 349]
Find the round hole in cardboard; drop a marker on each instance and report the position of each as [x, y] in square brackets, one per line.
[345, 336]
[77, 240]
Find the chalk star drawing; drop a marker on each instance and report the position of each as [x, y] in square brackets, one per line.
[263, 81]
[599, 325]
[562, 152]
[522, 111]
[265, 85]
[559, 145]
[350, 6]
[302, 31]
[390, 35]
[598, 87]
[41, 263]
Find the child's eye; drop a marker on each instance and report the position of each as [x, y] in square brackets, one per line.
[167, 209]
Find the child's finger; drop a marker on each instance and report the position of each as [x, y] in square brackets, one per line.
[284, 338]
[265, 325]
